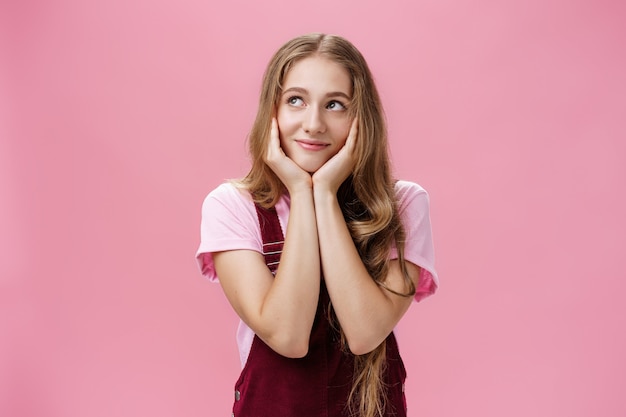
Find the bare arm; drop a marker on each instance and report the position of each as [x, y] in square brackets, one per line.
[280, 309]
[367, 312]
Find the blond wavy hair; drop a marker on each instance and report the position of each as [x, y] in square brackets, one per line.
[367, 197]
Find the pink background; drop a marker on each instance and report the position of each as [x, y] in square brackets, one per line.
[117, 117]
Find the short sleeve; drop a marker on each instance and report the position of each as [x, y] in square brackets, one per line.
[414, 209]
[229, 222]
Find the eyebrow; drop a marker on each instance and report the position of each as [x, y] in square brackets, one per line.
[328, 95]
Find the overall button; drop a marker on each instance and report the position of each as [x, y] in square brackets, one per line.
[237, 395]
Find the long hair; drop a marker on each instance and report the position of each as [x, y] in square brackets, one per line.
[367, 197]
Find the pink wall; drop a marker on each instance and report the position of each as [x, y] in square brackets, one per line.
[116, 118]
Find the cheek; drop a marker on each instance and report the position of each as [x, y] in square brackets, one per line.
[343, 130]
[282, 141]
[282, 127]
[285, 118]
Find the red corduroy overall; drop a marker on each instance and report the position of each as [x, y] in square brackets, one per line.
[318, 385]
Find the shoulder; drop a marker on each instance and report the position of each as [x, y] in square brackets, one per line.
[230, 209]
[228, 196]
[229, 191]
[404, 187]
[409, 193]
[229, 222]
[414, 209]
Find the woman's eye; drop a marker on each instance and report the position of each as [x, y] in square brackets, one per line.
[295, 101]
[335, 105]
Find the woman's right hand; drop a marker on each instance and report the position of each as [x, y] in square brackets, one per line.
[294, 177]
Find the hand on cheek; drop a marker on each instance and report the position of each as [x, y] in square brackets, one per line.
[286, 169]
[335, 171]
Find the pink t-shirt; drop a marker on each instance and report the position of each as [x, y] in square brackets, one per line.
[230, 222]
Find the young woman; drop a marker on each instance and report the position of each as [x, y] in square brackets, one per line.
[319, 251]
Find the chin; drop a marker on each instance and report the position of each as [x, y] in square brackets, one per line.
[310, 167]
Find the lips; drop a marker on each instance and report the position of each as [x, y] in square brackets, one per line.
[311, 144]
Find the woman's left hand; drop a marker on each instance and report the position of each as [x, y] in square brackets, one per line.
[334, 172]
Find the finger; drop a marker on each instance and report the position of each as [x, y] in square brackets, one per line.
[274, 142]
[273, 133]
[274, 130]
[352, 135]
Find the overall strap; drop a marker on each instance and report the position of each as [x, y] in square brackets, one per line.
[272, 235]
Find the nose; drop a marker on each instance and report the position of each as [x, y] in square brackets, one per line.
[313, 121]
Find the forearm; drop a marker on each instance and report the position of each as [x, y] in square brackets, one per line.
[289, 307]
[367, 312]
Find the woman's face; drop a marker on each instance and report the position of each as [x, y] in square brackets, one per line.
[312, 113]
